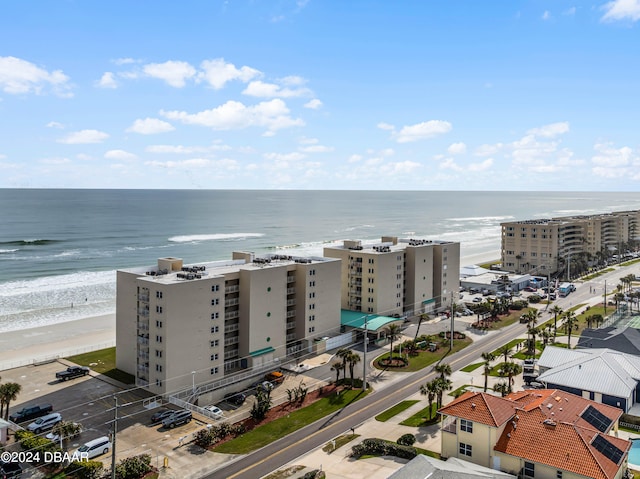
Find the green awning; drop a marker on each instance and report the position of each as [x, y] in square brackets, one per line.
[260, 352]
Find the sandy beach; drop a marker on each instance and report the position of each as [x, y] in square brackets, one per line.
[44, 343]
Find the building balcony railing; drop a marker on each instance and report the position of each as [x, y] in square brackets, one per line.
[143, 341]
[291, 325]
[232, 353]
[357, 274]
[291, 290]
[143, 369]
[143, 356]
[450, 425]
[291, 302]
[231, 302]
[291, 314]
[142, 381]
[291, 337]
[230, 328]
[291, 279]
[144, 312]
[231, 314]
[143, 298]
[234, 288]
[232, 340]
[143, 325]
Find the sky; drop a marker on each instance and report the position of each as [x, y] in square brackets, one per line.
[536, 95]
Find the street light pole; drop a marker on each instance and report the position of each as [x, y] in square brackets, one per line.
[193, 382]
[364, 356]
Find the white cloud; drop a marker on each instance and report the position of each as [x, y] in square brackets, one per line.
[450, 164]
[485, 165]
[385, 126]
[570, 11]
[107, 81]
[233, 115]
[84, 137]
[261, 89]
[293, 80]
[609, 157]
[119, 155]
[313, 104]
[421, 131]
[218, 73]
[293, 156]
[55, 124]
[400, 168]
[551, 130]
[175, 73]
[124, 61]
[84, 157]
[191, 163]
[622, 10]
[308, 141]
[488, 150]
[457, 148]
[180, 149]
[150, 126]
[20, 76]
[354, 158]
[55, 161]
[546, 15]
[316, 149]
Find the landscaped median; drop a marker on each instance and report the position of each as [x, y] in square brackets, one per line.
[421, 357]
[103, 361]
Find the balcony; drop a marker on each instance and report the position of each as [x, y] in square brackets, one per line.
[143, 298]
[231, 314]
[291, 279]
[143, 356]
[291, 290]
[450, 425]
[230, 328]
[291, 337]
[143, 369]
[232, 353]
[234, 288]
[291, 302]
[143, 341]
[291, 325]
[291, 314]
[143, 326]
[144, 312]
[231, 302]
[232, 340]
[357, 274]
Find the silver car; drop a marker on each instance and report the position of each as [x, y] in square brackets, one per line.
[44, 423]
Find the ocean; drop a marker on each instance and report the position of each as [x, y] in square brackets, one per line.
[60, 249]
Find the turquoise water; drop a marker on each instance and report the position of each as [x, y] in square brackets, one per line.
[634, 453]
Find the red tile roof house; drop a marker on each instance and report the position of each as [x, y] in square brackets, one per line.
[545, 433]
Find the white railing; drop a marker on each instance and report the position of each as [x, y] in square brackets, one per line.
[48, 358]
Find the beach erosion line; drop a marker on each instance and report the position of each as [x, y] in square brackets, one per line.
[42, 343]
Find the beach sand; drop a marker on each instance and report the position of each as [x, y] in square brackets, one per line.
[44, 343]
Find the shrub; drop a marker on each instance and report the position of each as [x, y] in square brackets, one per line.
[406, 440]
[205, 438]
[238, 429]
[133, 467]
[32, 442]
[380, 447]
[84, 469]
[534, 298]
[315, 474]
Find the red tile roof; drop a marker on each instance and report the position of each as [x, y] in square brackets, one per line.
[545, 426]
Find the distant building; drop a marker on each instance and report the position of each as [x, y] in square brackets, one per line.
[179, 325]
[602, 375]
[535, 434]
[545, 246]
[426, 467]
[398, 276]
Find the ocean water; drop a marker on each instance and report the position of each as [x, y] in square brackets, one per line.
[60, 248]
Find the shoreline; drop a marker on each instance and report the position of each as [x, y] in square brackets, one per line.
[44, 343]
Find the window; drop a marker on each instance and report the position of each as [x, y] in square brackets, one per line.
[370, 260]
[529, 469]
[158, 353]
[214, 357]
[312, 329]
[465, 449]
[466, 426]
[215, 315]
[312, 317]
[158, 339]
[215, 343]
[312, 306]
[312, 284]
[158, 309]
[158, 324]
[214, 371]
[215, 329]
[215, 287]
[312, 272]
[215, 301]
[159, 368]
[558, 474]
[158, 382]
[159, 294]
[371, 270]
[312, 294]
[369, 300]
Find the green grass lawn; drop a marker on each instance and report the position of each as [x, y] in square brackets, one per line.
[103, 361]
[488, 265]
[425, 358]
[397, 409]
[269, 432]
[471, 367]
[511, 345]
[596, 274]
[338, 442]
[460, 390]
[420, 418]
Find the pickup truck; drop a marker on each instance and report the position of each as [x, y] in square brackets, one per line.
[30, 412]
[72, 372]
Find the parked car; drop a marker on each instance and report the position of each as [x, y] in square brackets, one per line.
[274, 377]
[552, 296]
[72, 372]
[536, 385]
[237, 399]
[161, 415]
[55, 436]
[265, 386]
[11, 470]
[97, 447]
[31, 412]
[477, 299]
[177, 419]
[530, 289]
[215, 411]
[44, 423]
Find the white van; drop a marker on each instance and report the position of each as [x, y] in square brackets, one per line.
[97, 447]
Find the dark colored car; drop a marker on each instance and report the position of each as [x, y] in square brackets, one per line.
[161, 415]
[237, 399]
[72, 372]
[10, 470]
[30, 412]
[177, 418]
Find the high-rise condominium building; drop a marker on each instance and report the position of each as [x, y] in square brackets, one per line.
[178, 325]
[397, 276]
[546, 246]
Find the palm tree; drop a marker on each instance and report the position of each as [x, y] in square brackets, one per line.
[337, 366]
[342, 353]
[352, 359]
[502, 388]
[8, 392]
[533, 332]
[488, 357]
[443, 369]
[570, 323]
[510, 370]
[393, 333]
[422, 317]
[429, 390]
[505, 351]
[67, 430]
[556, 310]
[442, 385]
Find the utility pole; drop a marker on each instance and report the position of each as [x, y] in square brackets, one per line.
[605, 297]
[364, 356]
[113, 440]
[452, 318]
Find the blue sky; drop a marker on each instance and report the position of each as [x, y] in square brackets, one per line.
[310, 94]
